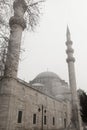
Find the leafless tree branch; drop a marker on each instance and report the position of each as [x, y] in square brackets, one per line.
[31, 16]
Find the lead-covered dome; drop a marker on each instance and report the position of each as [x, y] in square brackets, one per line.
[51, 84]
[47, 74]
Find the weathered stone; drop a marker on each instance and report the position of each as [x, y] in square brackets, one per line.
[17, 24]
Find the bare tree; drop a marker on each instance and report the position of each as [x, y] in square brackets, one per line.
[6, 11]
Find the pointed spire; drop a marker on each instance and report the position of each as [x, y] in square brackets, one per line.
[68, 36]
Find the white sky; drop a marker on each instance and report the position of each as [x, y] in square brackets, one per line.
[45, 48]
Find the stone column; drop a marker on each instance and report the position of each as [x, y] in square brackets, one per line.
[17, 25]
[75, 119]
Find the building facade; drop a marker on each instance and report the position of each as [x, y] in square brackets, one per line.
[25, 107]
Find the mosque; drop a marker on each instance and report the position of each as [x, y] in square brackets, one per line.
[46, 103]
[42, 104]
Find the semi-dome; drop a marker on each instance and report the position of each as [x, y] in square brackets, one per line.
[47, 74]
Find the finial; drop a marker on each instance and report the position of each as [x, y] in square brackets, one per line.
[68, 34]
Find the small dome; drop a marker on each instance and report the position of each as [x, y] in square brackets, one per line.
[47, 74]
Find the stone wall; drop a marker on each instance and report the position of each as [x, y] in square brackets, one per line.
[23, 98]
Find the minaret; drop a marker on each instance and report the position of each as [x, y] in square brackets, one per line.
[8, 84]
[17, 25]
[75, 119]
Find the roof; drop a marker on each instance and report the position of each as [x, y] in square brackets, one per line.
[49, 83]
[47, 74]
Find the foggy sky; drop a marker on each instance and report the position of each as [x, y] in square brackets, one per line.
[45, 48]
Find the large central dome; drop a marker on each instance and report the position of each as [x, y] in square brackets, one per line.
[48, 74]
[50, 83]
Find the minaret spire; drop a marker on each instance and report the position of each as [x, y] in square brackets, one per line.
[75, 118]
[68, 35]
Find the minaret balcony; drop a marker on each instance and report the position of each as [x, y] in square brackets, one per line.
[17, 20]
[69, 43]
[70, 59]
[69, 50]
